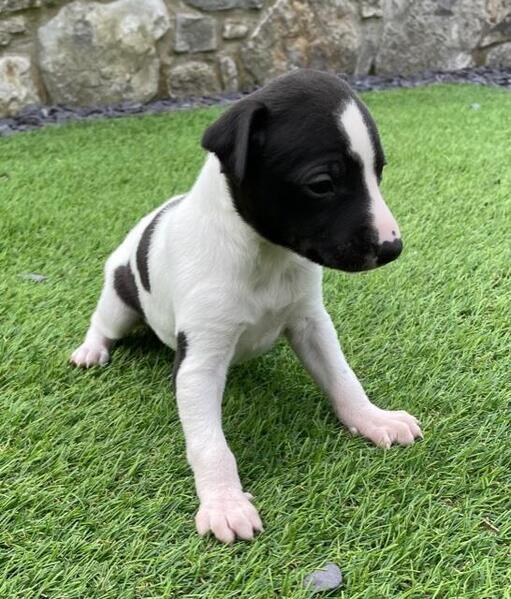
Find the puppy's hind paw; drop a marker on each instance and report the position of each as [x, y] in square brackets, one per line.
[88, 355]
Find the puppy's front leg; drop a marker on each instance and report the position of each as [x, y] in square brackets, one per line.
[199, 376]
[313, 337]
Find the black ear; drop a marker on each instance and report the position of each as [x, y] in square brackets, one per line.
[229, 136]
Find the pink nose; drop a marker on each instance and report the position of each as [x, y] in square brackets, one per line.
[384, 223]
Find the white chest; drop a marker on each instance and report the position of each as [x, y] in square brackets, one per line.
[259, 337]
[270, 308]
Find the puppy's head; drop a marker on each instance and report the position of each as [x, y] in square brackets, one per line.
[304, 161]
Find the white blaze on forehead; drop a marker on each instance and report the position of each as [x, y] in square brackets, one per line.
[360, 142]
[354, 126]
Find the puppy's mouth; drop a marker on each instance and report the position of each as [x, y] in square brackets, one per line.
[332, 259]
[358, 254]
[367, 264]
[348, 260]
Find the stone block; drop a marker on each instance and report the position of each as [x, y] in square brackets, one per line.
[92, 53]
[17, 88]
[371, 8]
[431, 34]
[7, 6]
[193, 78]
[224, 4]
[234, 30]
[229, 73]
[10, 27]
[195, 33]
[499, 56]
[501, 32]
[302, 33]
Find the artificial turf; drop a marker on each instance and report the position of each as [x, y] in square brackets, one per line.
[96, 499]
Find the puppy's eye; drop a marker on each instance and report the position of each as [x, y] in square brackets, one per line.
[321, 185]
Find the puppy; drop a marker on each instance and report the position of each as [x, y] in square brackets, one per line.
[290, 184]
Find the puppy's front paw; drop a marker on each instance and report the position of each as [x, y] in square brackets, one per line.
[88, 355]
[228, 513]
[385, 427]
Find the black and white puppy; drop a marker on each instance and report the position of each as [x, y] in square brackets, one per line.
[290, 184]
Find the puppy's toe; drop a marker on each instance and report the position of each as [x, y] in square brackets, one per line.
[86, 356]
[221, 529]
[228, 514]
[385, 427]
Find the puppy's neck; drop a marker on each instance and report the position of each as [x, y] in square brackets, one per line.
[212, 200]
[211, 191]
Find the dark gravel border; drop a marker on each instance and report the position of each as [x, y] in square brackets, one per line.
[34, 117]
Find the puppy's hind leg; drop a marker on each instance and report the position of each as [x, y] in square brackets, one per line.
[118, 310]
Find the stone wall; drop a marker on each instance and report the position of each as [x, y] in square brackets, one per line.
[84, 52]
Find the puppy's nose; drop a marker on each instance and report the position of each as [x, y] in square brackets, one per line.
[388, 251]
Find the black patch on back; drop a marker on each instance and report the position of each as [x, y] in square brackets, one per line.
[145, 242]
[126, 287]
[182, 346]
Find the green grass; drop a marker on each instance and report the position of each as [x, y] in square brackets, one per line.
[96, 499]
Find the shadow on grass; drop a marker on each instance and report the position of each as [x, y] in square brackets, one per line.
[264, 378]
[143, 342]
[264, 397]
